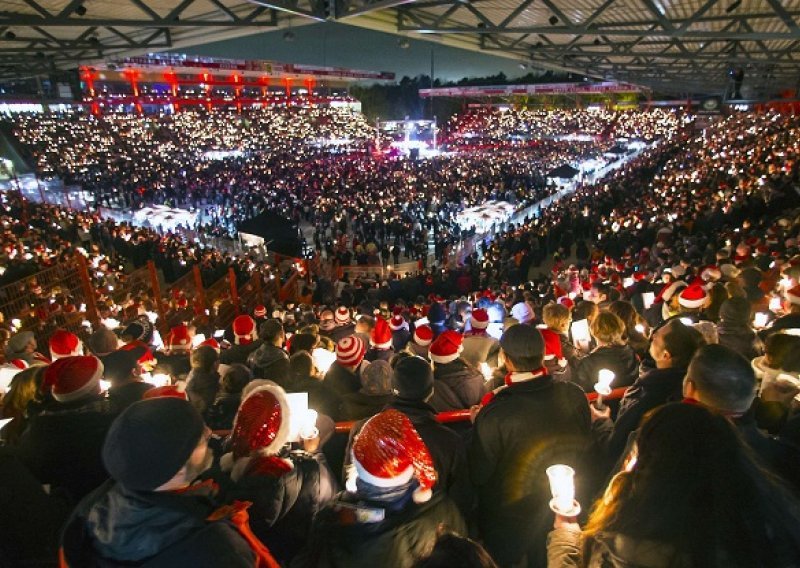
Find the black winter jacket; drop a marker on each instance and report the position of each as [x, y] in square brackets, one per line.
[269, 362]
[456, 386]
[621, 359]
[343, 381]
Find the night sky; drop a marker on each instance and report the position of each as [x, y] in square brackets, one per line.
[341, 45]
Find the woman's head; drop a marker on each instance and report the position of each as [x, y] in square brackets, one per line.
[608, 329]
[557, 317]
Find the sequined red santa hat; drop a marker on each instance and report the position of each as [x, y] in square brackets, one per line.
[73, 378]
[446, 348]
[179, 338]
[64, 344]
[552, 347]
[423, 335]
[388, 452]
[260, 311]
[262, 426]
[342, 315]
[693, 297]
[350, 351]
[244, 330]
[397, 323]
[381, 336]
[479, 319]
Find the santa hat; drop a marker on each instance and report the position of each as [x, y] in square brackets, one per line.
[211, 342]
[397, 323]
[692, 297]
[182, 303]
[552, 347]
[74, 378]
[793, 295]
[423, 335]
[381, 336]
[8, 371]
[166, 391]
[567, 302]
[350, 351]
[260, 311]
[479, 319]
[342, 315]
[179, 338]
[710, 273]
[244, 330]
[388, 452]
[65, 344]
[262, 425]
[446, 348]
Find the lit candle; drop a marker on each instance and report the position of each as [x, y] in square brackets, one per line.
[775, 304]
[562, 486]
[639, 328]
[485, 370]
[760, 320]
[687, 322]
[309, 428]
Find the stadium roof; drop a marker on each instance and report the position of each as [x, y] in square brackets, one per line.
[672, 45]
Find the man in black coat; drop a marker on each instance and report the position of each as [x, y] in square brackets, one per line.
[529, 424]
[457, 385]
[150, 514]
[270, 360]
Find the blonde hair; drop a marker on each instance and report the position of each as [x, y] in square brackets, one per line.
[557, 317]
[608, 328]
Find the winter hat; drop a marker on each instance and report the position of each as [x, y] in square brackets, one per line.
[412, 379]
[376, 378]
[74, 378]
[342, 315]
[151, 441]
[423, 335]
[262, 425]
[381, 336]
[64, 344]
[17, 343]
[437, 313]
[211, 342]
[388, 452]
[566, 302]
[735, 311]
[244, 330]
[522, 312]
[692, 297]
[174, 391]
[139, 329]
[397, 323]
[552, 347]
[350, 351]
[479, 319]
[102, 341]
[793, 295]
[260, 311]
[179, 339]
[446, 348]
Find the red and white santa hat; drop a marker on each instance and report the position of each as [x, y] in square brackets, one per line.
[211, 342]
[446, 348]
[74, 378]
[261, 427]
[567, 302]
[342, 315]
[552, 347]
[397, 323]
[423, 335]
[693, 297]
[381, 336]
[64, 344]
[167, 391]
[350, 351]
[388, 452]
[179, 338]
[260, 311]
[710, 274]
[479, 319]
[793, 295]
[244, 330]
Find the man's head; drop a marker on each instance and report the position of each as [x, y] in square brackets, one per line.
[157, 444]
[523, 348]
[122, 366]
[412, 379]
[272, 332]
[674, 344]
[720, 378]
[598, 293]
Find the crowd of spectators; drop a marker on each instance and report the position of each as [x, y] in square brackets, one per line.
[675, 281]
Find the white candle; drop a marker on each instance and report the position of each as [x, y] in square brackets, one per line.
[775, 304]
[562, 486]
[486, 371]
[309, 428]
[760, 319]
[603, 384]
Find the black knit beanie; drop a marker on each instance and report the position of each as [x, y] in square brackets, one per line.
[151, 441]
[412, 379]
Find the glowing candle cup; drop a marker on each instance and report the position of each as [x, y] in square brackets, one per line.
[775, 304]
[309, 430]
[603, 385]
[761, 320]
[562, 486]
[486, 371]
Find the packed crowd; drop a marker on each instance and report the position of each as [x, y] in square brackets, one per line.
[675, 285]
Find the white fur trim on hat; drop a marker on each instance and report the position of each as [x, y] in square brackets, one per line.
[443, 359]
[396, 481]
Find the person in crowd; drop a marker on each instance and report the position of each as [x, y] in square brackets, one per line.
[672, 347]
[791, 319]
[612, 353]
[635, 326]
[287, 489]
[245, 339]
[400, 333]
[63, 441]
[554, 361]
[374, 395]
[437, 316]
[63, 343]
[344, 374]
[202, 383]
[453, 550]
[735, 330]
[389, 513]
[380, 341]
[457, 385]
[220, 415]
[270, 360]
[304, 377]
[23, 397]
[690, 484]
[175, 359]
[22, 345]
[344, 326]
[529, 424]
[102, 341]
[151, 512]
[420, 341]
[479, 346]
[121, 368]
[557, 317]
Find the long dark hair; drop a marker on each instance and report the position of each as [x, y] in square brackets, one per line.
[696, 487]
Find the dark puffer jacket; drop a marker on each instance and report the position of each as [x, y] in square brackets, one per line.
[269, 362]
[456, 386]
[621, 359]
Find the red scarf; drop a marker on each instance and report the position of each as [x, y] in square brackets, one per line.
[509, 380]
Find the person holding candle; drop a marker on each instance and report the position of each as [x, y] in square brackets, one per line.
[612, 353]
[735, 328]
[690, 485]
[530, 422]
